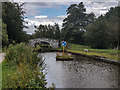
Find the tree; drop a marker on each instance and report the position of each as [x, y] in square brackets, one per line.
[109, 36]
[75, 23]
[97, 34]
[112, 17]
[3, 34]
[12, 14]
[57, 32]
[47, 31]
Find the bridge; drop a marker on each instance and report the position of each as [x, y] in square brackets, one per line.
[52, 42]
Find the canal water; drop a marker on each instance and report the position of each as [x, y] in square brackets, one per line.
[82, 72]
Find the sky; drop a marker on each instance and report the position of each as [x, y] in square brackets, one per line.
[53, 11]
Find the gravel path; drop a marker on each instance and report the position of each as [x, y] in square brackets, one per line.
[2, 56]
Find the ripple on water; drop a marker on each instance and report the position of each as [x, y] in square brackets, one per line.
[82, 72]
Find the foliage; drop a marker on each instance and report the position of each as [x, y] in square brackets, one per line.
[43, 48]
[96, 35]
[23, 77]
[64, 57]
[112, 17]
[103, 33]
[26, 68]
[37, 48]
[82, 28]
[22, 53]
[75, 23]
[47, 31]
[108, 53]
[3, 33]
[82, 47]
[12, 15]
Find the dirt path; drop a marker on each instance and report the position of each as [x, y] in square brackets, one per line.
[2, 56]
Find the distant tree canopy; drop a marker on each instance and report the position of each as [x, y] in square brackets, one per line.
[103, 33]
[75, 23]
[78, 27]
[12, 15]
[82, 28]
[113, 19]
[47, 31]
[97, 34]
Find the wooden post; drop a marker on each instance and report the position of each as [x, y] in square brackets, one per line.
[63, 50]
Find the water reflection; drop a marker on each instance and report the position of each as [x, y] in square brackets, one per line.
[80, 73]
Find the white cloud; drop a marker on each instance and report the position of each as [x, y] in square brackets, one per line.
[64, 0]
[43, 21]
[34, 9]
[62, 16]
[41, 16]
[103, 12]
[99, 8]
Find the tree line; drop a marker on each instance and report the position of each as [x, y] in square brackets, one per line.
[47, 31]
[12, 23]
[80, 27]
[104, 31]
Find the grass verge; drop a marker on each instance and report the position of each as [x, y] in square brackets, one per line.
[64, 57]
[107, 53]
[20, 68]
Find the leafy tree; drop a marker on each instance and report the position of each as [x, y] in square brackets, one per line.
[97, 34]
[47, 31]
[50, 32]
[112, 17]
[3, 34]
[75, 23]
[12, 14]
[57, 32]
[109, 24]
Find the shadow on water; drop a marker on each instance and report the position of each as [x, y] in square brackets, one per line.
[80, 73]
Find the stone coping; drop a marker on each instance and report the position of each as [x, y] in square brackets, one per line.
[106, 60]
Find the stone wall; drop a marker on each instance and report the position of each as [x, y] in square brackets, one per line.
[53, 42]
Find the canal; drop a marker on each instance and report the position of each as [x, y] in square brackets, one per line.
[82, 72]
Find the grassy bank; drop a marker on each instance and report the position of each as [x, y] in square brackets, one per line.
[20, 68]
[107, 53]
[21, 76]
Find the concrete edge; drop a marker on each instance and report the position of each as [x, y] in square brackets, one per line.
[106, 60]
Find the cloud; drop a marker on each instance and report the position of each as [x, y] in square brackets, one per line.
[62, 16]
[34, 9]
[41, 16]
[43, 21]
[99, 8]
[63, 0]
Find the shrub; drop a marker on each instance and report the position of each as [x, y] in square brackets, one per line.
[21, 53]
[26, 66]
[25, 78]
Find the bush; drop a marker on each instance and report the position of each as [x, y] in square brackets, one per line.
[26, 66]
[24, 77]
[21, 53]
